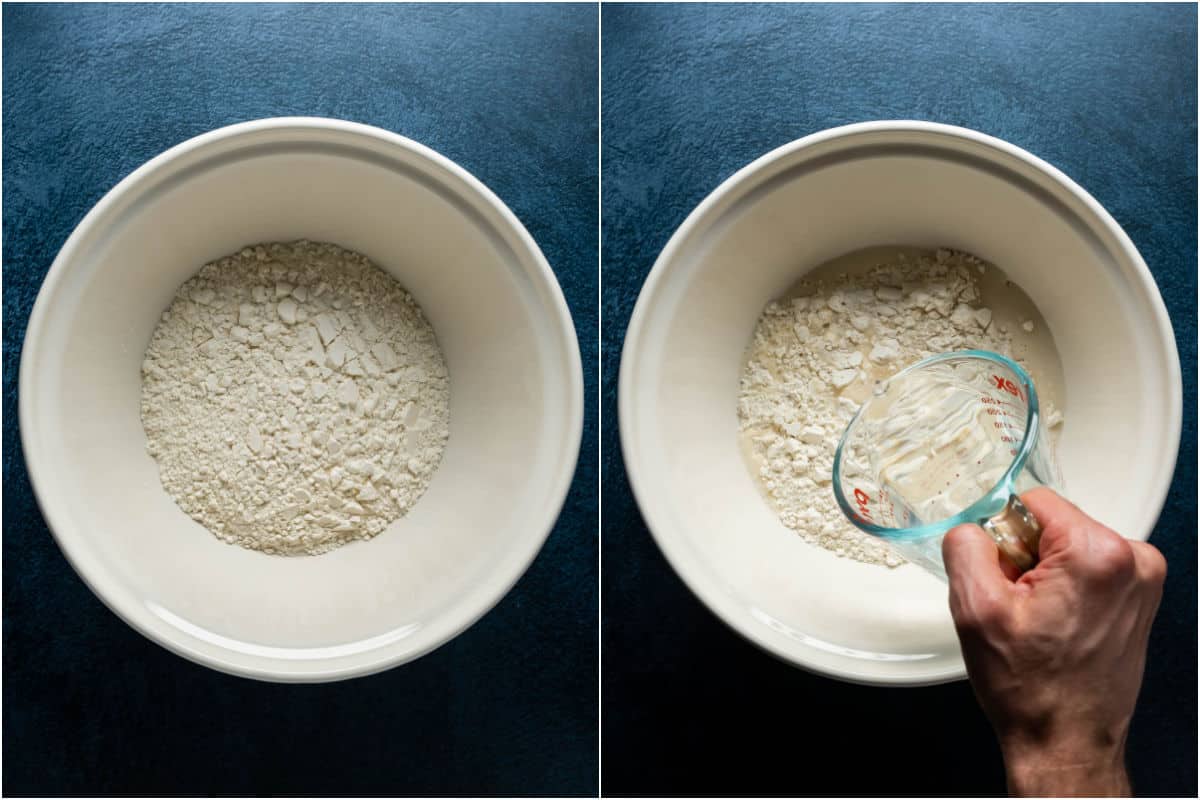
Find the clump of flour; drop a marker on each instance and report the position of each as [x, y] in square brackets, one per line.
[295, 398]
[814, 359]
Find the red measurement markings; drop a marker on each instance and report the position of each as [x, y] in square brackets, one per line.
[1006, 412]
[994, 401]
[862, 499]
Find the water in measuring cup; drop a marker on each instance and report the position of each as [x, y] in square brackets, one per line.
[941, 444]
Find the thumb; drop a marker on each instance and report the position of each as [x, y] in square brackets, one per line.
[973, 567]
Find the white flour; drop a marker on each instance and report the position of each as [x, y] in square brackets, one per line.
[817, 353]
[295, 398]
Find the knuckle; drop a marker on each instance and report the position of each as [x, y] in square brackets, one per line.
[1154, 564]
[1112, 558]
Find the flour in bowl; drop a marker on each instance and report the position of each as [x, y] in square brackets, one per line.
[295, 398]
[818, 351]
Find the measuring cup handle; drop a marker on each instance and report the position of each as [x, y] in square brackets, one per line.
[1017, 533]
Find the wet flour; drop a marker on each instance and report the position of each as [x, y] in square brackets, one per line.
[295, 398]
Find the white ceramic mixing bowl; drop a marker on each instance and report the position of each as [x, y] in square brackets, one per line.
[879, 183]
[515, 400]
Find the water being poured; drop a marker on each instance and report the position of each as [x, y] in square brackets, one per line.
[940, 443]
[932, 442]
[952, 439]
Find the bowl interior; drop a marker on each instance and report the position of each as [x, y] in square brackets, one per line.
[514, 397]
[752, 242]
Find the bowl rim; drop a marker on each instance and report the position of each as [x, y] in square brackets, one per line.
[442, 628]
[640, 483]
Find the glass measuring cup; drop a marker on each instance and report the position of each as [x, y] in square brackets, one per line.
[954, 438]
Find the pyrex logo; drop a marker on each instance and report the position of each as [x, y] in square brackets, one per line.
[1005, 385]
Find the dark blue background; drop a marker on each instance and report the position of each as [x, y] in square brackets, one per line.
[90, 93]
[690, 94]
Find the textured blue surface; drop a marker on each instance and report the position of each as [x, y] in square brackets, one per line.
[690, 94]
[90, 93]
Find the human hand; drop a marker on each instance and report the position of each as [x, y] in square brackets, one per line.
[1056, 655]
